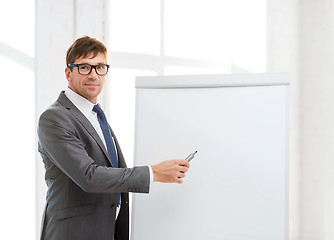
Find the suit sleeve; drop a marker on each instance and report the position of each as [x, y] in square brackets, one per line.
[60, 144]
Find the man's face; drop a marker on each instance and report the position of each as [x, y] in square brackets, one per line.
[88, 86]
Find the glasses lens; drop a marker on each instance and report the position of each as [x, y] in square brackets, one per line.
[102, 69]
[84, 69]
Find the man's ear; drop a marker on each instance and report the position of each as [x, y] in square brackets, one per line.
[68, 74]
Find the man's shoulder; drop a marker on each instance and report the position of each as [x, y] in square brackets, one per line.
[57, 109]
[55, 112]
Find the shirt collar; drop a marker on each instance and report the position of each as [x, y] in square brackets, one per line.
[84, 105]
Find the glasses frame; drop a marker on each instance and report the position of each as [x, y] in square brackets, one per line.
[91, 67]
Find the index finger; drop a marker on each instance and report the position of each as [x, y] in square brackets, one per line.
[183, 162]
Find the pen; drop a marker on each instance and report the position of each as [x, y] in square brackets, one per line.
[191, 156]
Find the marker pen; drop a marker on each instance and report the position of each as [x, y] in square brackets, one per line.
[191, 156]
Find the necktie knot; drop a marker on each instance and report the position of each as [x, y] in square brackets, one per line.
[98, 110]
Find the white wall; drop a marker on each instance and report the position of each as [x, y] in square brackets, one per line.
[317, 119]
[17, 120]
[301, 41]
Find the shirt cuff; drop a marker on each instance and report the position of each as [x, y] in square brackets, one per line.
[151, 174]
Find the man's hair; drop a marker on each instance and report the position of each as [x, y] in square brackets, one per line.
[84, 47]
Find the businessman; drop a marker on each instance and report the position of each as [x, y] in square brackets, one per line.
[87, 178]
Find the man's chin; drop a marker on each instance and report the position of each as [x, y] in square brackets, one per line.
[90, 95]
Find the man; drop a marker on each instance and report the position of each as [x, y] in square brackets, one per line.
[88, 181]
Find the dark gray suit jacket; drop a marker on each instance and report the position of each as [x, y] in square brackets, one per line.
[82, 185]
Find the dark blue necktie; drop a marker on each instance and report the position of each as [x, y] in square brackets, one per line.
[107, 137]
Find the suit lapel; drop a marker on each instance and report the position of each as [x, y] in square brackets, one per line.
[63, 100]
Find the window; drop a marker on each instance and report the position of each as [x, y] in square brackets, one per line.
[151, 37]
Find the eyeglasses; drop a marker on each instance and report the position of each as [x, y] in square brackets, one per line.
[85, 69]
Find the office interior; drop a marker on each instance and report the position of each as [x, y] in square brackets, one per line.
[168, 37]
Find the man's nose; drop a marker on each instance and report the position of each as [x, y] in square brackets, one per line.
[93, 73]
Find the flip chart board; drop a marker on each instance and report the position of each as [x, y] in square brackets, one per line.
[236, 187]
